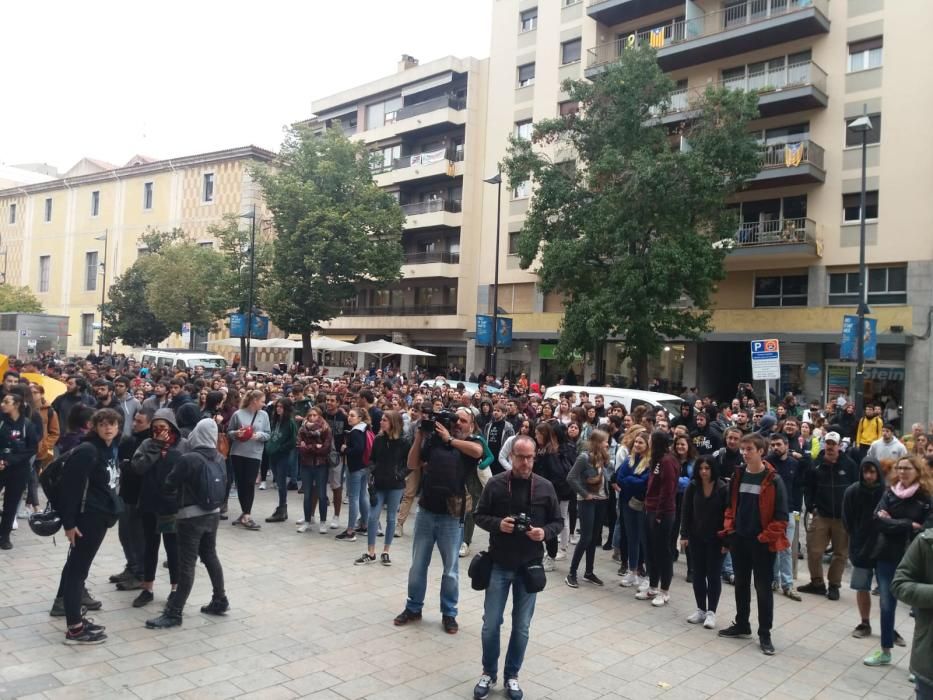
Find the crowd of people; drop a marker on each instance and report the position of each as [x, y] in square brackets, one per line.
[733, 488]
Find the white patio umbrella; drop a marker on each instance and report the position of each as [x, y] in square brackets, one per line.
[384, 347]
[225, 342]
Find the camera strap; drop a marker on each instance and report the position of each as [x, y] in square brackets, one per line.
[531, 494]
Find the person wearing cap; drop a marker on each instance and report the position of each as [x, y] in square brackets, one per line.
[826, 484]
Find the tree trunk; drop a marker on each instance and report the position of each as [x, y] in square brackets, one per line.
[599, 361]
[243, 350]
[306, 356]
[641, 367]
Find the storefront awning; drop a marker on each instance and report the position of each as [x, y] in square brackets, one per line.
[883, 338]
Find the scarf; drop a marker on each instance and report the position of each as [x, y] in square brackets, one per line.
[905, 492]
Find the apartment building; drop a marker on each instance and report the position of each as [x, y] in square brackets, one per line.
[426, 127]
[792, 271]
[58, 237]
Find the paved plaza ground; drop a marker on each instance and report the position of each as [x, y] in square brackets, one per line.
[305, 622]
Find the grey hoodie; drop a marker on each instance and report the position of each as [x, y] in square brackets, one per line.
[202, 445]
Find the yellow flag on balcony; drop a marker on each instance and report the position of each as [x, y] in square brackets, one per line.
[793, 154]
[630, 41]
[656, 38]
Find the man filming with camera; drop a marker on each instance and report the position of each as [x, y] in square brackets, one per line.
[520, 510]
[443, 452]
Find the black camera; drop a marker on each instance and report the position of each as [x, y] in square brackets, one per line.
[522, 523]
[430, 420]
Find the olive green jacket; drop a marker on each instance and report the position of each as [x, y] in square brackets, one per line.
[913, 585]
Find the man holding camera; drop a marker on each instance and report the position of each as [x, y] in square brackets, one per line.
[443, 451]
[520, 510]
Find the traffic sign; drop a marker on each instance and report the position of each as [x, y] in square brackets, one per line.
[766, 359]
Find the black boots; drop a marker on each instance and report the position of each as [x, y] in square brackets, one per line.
[170, 617]
[217, 606]
[279, 516]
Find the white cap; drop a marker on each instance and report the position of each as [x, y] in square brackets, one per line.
[832, 437]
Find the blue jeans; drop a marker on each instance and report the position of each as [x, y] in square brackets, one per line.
[784, 562]
[391, 499]
[281, 467]
[636, 535]
[446, 532]
[358, 497]
[884, 570]
[315, 478]
[727, 569]
[523, 607]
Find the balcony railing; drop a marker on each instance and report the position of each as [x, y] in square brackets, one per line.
[431, 206]
[744, 14]
[435, 256]
[789, 155]
[451, 155]
[429, 106]
[775, 232]
[402, 310]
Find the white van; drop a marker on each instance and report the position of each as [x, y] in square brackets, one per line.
[630, 398]
[181, 359]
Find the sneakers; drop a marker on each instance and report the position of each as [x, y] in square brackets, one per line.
[304, 527]
[464, 549]
[642, 583]
[549, 564]
[814, 587]
[729, 578]
[217, 606]
[116, 578]
[262, 486]
[130, 584]
[449, 624]
[862, 630]
[792, 594]
[90, 626]
[280, 515]
[646, 593]
[661, 599]
[311, 520]
[571, 581]
[561, 555]
[170, 617]
[406, 616]
[592, 578]
[323, 529]
[334, 524]
[513, 690]
[346, 536]
[733, 631]
[697, 617]
[400, 530]
[365, 558]
[301, 521]
[767, 648]
[878, 658]
[833, 593]
[246, 523]
[384, 559]
[574, 538]
[83, 635]
[710, 621]
[483, 687]
[630, 579]
[144, 598]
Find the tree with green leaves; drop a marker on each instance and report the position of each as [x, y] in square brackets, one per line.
[19, 299]
[127, 315]
[631, 232]
[335, 230]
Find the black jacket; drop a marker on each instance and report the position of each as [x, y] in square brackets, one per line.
[149, 462]
[792, 475]
[18, 441]
[182, 480]
[826, 485]
[514, 550]
[130, 481]
[897, 532]
[858, 517]
[390, 462]
[702, 517]
[93, 464]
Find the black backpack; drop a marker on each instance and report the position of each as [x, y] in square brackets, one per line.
[210, 484]
[52, 478]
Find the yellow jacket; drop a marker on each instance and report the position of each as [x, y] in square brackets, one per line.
[869, 430]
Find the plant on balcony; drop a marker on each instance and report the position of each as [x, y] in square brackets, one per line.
[631, 230]
[334, 230]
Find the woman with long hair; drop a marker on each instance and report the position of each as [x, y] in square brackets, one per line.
[900, 516]
[632, 482]
[314, 447]
[505, 453]
[587, 480]
[686, 455]
[563, 411]
[660, 511]
[281, 448]
[387, 484]
[569, 437]
[550, 465]
[704, 506]
[578, 415]
[19, 439]
[248, 430]
[354, 448]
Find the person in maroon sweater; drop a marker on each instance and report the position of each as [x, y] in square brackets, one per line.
[660, 512]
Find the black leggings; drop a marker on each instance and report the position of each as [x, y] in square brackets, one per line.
[13, 481]
[245, 470]
[660, 561]
[93, 528]
[151, 538]
[707, 569]
[592, 513]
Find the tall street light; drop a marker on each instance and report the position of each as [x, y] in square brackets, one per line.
[103, 290]
[252, 282]
[495, 180]
[862, 126]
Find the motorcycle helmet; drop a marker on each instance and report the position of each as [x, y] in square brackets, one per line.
[45, 524]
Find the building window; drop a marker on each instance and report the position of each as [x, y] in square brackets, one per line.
[528, 20]
[568, 108]
[522, 190]
[384, 159]
[12, 213]
[790, 290]
[382, 113]
[570, 51]
[513, 242]
[864, 55]
[147, 195]
[843, 288]
[523, 129]
[87, 329]
[90, 271]
[851, 211]
[45, 268]
[95, 203]
[208, 190]
[887, 285]
[568, 3]
[48, 210]
[526, 75]
[873, 136]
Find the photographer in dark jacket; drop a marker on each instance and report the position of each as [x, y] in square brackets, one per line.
[516, 553]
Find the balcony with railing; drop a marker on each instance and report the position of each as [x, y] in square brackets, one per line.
[748, 26]
[443, 162]
[401, 310]
[788, 238]
[610, 12]
[432, 213]
[432, 114]
[793, 163]
[435, 103]
[431, 257]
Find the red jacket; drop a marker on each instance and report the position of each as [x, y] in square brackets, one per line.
[773, 532]
[661, 495]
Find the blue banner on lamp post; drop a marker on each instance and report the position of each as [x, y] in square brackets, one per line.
[848, 348]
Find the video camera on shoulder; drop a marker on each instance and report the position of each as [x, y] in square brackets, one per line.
[430, 420]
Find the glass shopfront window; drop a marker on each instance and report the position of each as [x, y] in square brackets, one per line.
[665, 372]
[884, 385]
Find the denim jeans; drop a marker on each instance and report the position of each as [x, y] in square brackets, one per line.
[315, 478]
[884, 570]
[358, 496]
[501, 580]
[636, 535]
[390, 498]
[446, 532]
[727, 568]
[197, 537]
[784, 562]
[281, 468]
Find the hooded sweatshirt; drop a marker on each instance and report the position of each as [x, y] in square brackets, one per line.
[766, 426]
[153, 460]
[184, 477]
[356, 445]
[858, 510]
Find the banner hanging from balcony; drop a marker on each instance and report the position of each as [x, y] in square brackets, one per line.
[429, 157]
[793, 154]
[656, 38]
[848, 349]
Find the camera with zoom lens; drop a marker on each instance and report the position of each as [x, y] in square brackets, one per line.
[522, 524]
[431, 418]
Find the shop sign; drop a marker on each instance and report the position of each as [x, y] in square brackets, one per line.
[885, 374]
[813, 368]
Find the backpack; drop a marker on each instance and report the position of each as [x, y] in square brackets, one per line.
[368, 449]
[52, 478]
[211, 484]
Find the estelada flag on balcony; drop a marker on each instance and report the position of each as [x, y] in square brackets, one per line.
[793, 154]
[656, 38]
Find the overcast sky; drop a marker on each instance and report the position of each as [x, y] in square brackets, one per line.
[108, 79]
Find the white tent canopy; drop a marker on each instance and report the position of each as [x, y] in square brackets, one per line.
[225, 342]
[384, 347]
[320, 342]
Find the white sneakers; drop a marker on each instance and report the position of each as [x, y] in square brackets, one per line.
[304, 527]
[646, 593]
[262, 485]
[710, 622]
[630, 579]
[697, 617]
[464, 549]
[300, 521]
[549, 564]
[334, 524]
[662, 598]
[561, 555]
[323, 528]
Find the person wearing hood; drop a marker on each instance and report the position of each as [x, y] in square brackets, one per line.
[153, 460]
[705, 438]
[913, 585]
[767, 426]
[187, 416]
[685, 418]
[858, 511]
[196, 526]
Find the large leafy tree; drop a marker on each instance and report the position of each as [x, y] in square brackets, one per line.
[335, 229]
[127, 315]
[629, 231]
[19, 299]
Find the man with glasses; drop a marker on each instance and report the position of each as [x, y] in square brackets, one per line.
[440, 460]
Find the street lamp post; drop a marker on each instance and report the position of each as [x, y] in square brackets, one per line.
[493, 351]
[105, 237]
[252, 283]
[862, 126]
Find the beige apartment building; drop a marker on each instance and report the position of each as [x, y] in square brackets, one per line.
[792, 271]
[59, 236]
